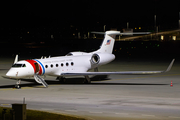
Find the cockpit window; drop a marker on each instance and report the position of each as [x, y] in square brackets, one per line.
[24, 65]
[19, 65]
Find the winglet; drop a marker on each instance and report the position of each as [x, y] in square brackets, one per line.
[170, 66]
[16, 59]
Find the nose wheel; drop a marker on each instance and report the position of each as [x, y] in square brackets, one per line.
[17, 86]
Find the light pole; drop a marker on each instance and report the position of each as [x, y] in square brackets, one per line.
[179, 20]
[155, 22]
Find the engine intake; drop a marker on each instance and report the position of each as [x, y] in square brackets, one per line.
[95, 59]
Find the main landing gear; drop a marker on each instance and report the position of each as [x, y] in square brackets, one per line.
[17, 86]
[62, 80]
[87, 80]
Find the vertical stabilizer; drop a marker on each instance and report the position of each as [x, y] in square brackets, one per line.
[108, 42]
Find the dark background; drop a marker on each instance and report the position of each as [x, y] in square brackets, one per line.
[86, 13]
[26, 27]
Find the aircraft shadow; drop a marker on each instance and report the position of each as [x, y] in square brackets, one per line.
[100, 78]
[126, 84]
[73, 81]
[3, 69]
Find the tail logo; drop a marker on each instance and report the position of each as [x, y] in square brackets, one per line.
[108, 42]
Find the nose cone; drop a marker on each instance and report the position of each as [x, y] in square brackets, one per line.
[8, 74]
[11, 73]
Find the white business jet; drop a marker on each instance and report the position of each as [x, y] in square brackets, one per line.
[73, 64]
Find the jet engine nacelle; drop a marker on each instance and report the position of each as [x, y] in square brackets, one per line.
[95, 59]
[101, 58]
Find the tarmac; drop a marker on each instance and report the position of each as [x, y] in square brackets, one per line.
[111, 97]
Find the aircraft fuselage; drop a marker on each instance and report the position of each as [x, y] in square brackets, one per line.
[56, 65]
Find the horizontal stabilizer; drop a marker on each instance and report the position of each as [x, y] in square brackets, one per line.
[119, 33]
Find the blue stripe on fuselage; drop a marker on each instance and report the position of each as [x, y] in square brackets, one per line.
[41, 66]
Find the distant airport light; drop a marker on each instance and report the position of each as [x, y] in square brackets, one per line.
[79, 35]
[139, 27]
[162, 37]
[174, 37]
[52, 36]
[88, 35]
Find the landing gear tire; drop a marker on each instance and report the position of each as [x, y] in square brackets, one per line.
[17, 86]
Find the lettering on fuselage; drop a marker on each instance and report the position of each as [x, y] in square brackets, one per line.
[57, 61]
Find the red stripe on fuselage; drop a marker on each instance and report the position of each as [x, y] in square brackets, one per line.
[34, 67]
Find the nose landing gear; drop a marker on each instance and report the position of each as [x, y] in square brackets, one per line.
[17, 86]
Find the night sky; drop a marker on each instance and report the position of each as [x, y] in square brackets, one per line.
[36, 22]
[90, 13]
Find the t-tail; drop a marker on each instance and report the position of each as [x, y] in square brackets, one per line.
[108, 42]
[109, 39]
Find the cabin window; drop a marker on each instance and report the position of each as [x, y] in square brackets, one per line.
[46, 66]
[62, 64]
[72, 63]
[51, 65]
[67, 64]
[57, 65]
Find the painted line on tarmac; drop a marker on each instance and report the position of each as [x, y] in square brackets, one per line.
[16, 88]
[174, 117]
[92, 112]
[95, 112]
[5, 104]
[145, 115]
[124, 114]
[71, 110]
[24, 88]
[47, 109]
[8, 89]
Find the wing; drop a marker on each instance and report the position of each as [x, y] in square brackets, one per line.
[119, 73]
